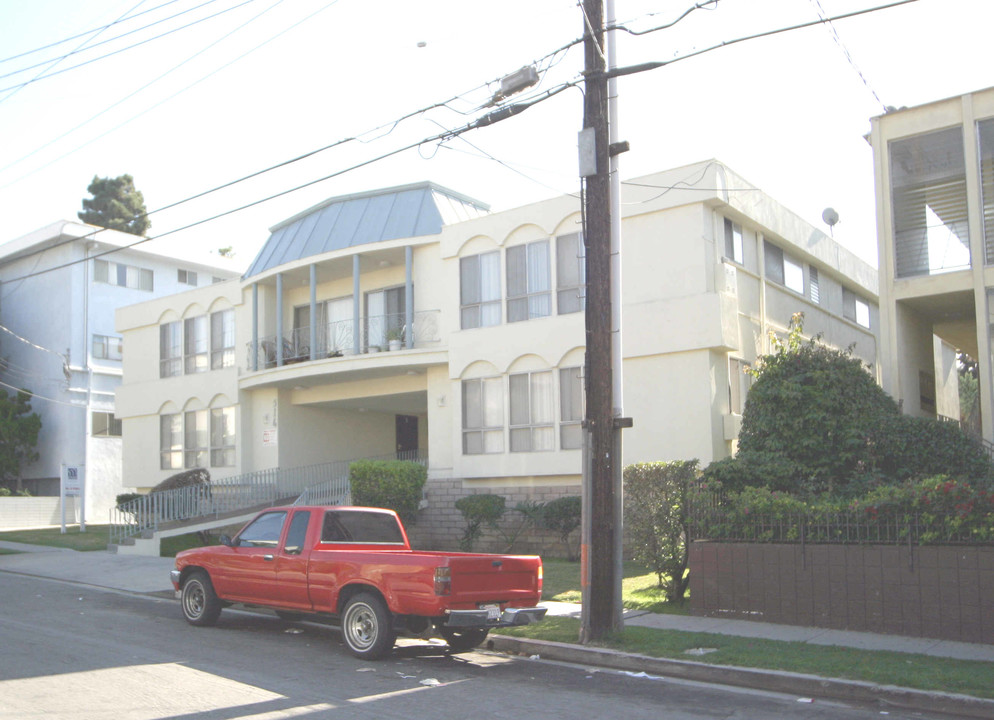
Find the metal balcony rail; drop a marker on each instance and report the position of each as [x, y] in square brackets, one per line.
[338, 338]
[325, 483]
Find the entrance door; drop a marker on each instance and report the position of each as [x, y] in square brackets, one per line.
[407, 437]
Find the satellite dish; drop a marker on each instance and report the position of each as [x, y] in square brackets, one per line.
[830, 216]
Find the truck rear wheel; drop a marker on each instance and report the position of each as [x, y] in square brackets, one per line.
[200, 603]
[367, 628]
[464, 640]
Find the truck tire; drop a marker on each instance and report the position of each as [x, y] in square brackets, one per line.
[367, 627]
[200, 603]
[464, 640]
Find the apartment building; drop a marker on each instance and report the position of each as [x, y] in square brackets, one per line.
[413, 320]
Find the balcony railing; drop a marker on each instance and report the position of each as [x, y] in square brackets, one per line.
[337, 339]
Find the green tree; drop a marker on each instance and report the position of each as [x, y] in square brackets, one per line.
[19, 428]
[116, 205]
[816, 423]
[813, 408]
[656, 506]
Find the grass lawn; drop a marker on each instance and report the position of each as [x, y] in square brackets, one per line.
[639, 591]
[639, 588]
[95, 537]
[922, 672]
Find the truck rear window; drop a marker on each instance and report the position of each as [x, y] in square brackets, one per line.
[356, 526]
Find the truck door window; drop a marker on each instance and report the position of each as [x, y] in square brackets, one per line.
[264, 531]
[297, 533]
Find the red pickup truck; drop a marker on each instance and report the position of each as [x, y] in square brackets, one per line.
[356, 564]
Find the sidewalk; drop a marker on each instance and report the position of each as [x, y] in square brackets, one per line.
[150, 575]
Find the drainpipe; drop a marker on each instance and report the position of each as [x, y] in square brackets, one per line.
[314, 311]
[409, 297]
[255, 326]
[279, 319]
[356, 338]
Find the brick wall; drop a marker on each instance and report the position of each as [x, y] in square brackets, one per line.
[440, 526]
[944, 592]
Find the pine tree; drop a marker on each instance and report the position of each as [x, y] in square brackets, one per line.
[116, 205]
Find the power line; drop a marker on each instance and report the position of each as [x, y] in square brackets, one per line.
[643, 67]
[78, 48]
[42, 397]
[120, 50]
[144, 87]
[491, 118]
[88, 32]
[391, 125]
[845, 51]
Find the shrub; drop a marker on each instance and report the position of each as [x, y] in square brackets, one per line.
[187, 478]
[126, 498]
[397, 485]
[477, 511]
[656, 506]
[562, 516]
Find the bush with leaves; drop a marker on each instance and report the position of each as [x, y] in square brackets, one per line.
[816, 423]
[478, 511]
[656, 507]
[19, 428]
[563, 516]
[397, 485]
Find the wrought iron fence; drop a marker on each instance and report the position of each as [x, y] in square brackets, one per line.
[710, 518]
[322, 484]
[337, 338]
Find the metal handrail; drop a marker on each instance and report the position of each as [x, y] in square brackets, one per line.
[337, 338]
[324, 483]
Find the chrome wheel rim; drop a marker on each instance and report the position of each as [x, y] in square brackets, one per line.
[193, 599]
[360, 626]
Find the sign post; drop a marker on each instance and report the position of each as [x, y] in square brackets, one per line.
[73, 484]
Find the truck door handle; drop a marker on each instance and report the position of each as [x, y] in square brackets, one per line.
[268, 558]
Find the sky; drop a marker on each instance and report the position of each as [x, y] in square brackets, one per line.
[217, 90]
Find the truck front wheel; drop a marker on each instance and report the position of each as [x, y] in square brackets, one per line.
[367, 628]
[201, 605]
[464, 640]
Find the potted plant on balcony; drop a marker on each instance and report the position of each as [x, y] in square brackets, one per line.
[394, 338]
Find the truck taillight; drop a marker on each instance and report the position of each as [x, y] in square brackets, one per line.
[540, 576]
[443, 581]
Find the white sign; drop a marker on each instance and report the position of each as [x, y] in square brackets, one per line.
[269, 437]
[72, 480]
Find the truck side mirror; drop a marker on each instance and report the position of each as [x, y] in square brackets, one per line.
[226, 541]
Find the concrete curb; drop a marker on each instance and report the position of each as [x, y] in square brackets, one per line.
[771, 680]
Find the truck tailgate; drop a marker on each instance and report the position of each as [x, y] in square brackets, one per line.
[493, 578]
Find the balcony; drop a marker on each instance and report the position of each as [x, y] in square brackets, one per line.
[339, 339]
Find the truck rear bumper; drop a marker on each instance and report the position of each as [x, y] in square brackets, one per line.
[480, 618]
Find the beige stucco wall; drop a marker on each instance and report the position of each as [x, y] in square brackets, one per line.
[686, 311]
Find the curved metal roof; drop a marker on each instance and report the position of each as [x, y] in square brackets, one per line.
[363, 218]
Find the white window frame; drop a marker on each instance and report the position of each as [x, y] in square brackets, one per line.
[196, 340]
[480, 298]
[855, 308]
[734, 248]
[483, 427]
[171, 441]
[171, 349]
[196, 439]
[121, 275]
[186, 277]
[104, 424]
[572, 408]
[531, 405]
[571, 274]
[222, 332]
[223, 436]
[107, 347]
[530, 295]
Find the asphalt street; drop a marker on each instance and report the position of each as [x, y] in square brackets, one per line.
[80, 652]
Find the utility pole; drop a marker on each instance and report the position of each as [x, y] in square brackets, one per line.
[600, 574]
